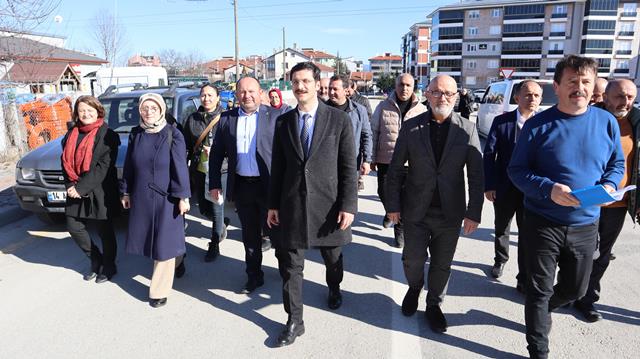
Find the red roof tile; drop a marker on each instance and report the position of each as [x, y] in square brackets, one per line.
[37, 72]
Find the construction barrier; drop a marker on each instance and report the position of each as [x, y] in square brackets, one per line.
[46, 119]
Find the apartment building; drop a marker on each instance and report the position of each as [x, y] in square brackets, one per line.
[415, 51]
[473, 40]
[385, 64]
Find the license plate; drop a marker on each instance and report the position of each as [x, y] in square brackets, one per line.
[56, 196]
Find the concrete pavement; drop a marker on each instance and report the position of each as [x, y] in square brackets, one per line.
[47, 310]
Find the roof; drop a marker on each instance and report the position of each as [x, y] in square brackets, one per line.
[361, 75]
[18, 48]
[314, 54]
[324, 68]
[222, 64]
[38, 72]
[288, 49]
[386, 57]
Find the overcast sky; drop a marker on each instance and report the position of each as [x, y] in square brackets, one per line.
[358, 28]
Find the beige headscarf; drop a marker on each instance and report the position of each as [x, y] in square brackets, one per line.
[161, 121]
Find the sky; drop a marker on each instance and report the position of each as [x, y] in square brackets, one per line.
[357, 28]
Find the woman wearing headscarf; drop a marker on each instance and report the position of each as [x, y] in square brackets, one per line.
[155, 189]
[199, 130]
[89, 152]
[275, 99]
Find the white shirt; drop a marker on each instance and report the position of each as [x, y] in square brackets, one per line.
[246, 144]
[312, 122]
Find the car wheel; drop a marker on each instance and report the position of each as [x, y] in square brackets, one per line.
[51, 218]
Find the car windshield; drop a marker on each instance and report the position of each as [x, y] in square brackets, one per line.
[122, 112]
[549, 97]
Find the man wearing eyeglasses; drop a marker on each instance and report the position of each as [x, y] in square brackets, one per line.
[437, 145]
[386, 122]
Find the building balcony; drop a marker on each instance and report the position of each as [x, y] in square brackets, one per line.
[449, 69]
[621, 71]
[450, 37]
[558, 33]
[556, 52]
[558, 16]
[629, 14]
[598, 32]
[612, 12]
[522, 52]
[524, 16]
[448, 53]
[626, 33]
[527, 69]
[452, 20]
[522, 34]
[623, 52]
[597, 51]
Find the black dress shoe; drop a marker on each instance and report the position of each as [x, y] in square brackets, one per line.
[89, 276]
[290, 333]
[496, 271]
[587, 310]
[266, 243]
[157, 303]
[436, 319]
[335, 299]
[213, 252]
[106, 275]
[410, 301]
[180, 270]
[251, 285]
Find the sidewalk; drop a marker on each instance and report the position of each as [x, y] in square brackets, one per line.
[10, 210]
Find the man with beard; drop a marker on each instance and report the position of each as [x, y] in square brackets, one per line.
[549, 162]
[438, 146]
[359, 120]
[598, 91]
[618, 100]
[313, 196]
[323, 93]
[386, 123]
[506, 198]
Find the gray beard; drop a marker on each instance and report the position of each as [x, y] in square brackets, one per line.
[442, 111]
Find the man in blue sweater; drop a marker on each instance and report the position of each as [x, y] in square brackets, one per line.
[570, 146]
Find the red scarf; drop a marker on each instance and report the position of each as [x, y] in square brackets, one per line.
[279, 95]
[76, 161]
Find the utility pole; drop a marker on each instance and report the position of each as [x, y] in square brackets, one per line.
[284, 61]
[338, 64]
[235, 23]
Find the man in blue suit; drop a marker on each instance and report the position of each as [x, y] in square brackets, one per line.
[507, 199]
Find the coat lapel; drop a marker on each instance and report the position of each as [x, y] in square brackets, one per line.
[451, 136]
[319, 128]
[426, 138]
[262, 125]
[294, 132]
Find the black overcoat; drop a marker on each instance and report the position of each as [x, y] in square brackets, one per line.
[309, 194]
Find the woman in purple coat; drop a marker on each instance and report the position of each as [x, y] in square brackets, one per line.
[155, 189]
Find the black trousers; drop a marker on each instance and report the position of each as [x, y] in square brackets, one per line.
[398, 232]
[505, 207]
[549, 246]
[611, 223]
[77, 227]
[291, 266]
[251, 203]
[431, 235]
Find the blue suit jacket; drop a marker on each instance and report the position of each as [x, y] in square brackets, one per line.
[501, 141]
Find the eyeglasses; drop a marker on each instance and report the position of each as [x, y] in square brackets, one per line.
[149, 109]
[438, 94]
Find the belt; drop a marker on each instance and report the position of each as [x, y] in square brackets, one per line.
[248, 179]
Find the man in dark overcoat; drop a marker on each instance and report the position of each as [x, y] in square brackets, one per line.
[313, 196]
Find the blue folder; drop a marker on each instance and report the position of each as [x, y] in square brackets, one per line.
[592, 196]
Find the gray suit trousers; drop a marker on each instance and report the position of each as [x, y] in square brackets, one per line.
[430, 235]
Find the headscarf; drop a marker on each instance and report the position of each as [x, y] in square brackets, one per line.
[162, 121]
[76, 158]
[279, 95]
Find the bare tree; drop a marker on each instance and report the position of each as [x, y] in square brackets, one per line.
[192, 63]
[110, 35]
[25, 15]
[171, 60]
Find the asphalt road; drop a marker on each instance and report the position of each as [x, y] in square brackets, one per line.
[48, 311]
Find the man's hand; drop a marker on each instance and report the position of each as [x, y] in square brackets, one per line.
[373, 166]
[490, 195]
[72, 192]
[183, 206]
[365, 168]
[215, 193]
[609, 189]
[345, 219]
[394, 217]
[561, 195]
[206, 150]
[126, 202]
[273, 218]
[469, 226]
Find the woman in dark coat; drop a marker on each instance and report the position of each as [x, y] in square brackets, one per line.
[194, 126]
[89, 152]
[155, 188]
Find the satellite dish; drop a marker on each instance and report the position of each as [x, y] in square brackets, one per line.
[57, 19]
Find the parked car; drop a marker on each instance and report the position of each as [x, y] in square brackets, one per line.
[478, 94]
[39, 181]
[499, 97]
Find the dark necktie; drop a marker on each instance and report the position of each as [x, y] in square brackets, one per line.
[304, 135]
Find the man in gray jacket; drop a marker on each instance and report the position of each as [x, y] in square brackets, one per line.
[385, 126]
[437, 145]
[359, 120]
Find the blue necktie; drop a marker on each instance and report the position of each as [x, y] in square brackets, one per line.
[304, 135]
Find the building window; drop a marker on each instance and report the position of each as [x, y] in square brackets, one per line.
[629, 9]
[473, 14]
[522, 65]
[556, 45]
[450, 49]
[597, 46]
[523, 30]
[472, 64]
[551, 65]
[524, 12]
[494, 47]
[471, 47]
[623, 64]
[626, 29]
[559, 10]
[602, 7]
[494, 30]
[599, 27]
[470, 80]
[495, 12]
[558, 29]
[492, 64]
[450, 33]
[482, 46]
[473, 31]
[522, 47]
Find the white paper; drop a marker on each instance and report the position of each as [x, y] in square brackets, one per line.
[617, 195]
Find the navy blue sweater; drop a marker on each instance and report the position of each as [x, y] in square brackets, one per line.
[577, 151]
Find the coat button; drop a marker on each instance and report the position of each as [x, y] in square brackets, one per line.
[307, 171]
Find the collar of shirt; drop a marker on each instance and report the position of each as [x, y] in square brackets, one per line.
[520, 120]
[241, 112]
[311, 113]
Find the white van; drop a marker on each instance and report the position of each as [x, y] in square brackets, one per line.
[493, 102]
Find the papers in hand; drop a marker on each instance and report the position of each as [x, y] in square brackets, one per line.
[595, 195]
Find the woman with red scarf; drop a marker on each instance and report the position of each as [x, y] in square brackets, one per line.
[89, 152]
[275, 100]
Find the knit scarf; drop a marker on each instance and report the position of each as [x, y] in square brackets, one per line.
[153, 127]
[76, 158]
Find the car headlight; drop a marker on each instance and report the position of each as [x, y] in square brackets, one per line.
[28, 174]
